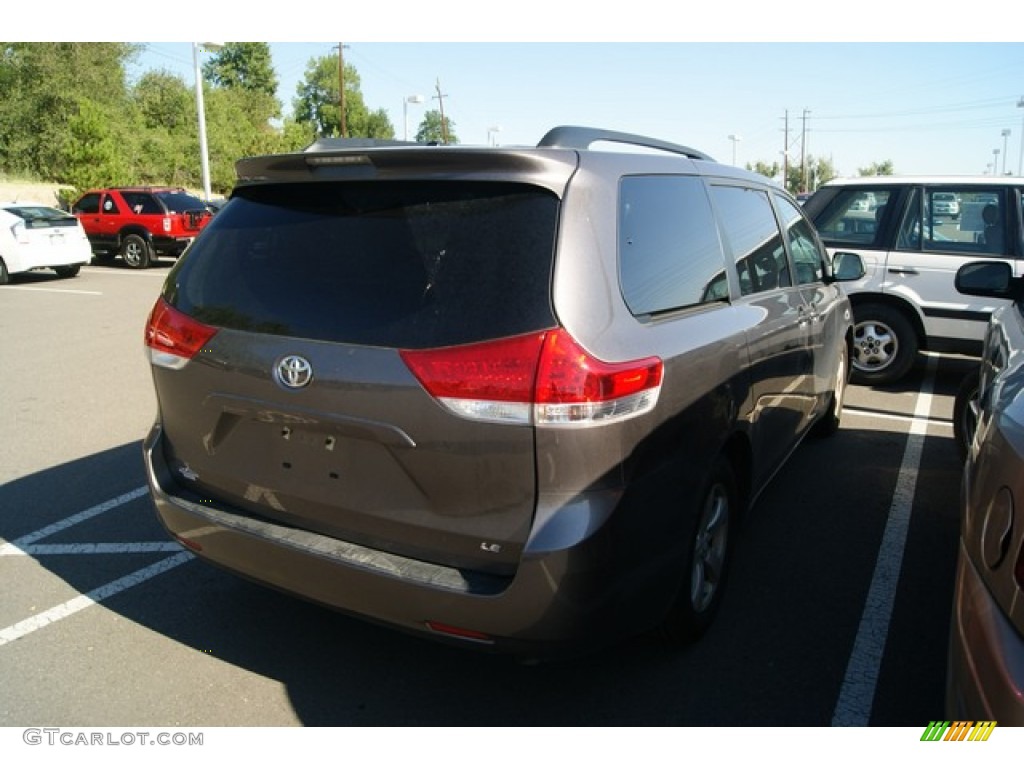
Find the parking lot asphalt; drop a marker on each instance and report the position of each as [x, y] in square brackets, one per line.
[837, 612]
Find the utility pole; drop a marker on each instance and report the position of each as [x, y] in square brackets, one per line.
[341, 90]
[444, 124]
[785, 150]
[803, 153]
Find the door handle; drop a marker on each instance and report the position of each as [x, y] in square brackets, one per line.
[902, 271]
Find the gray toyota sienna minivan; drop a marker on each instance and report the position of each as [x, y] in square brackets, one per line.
[514, 398]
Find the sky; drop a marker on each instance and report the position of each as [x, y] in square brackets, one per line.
[933, 93]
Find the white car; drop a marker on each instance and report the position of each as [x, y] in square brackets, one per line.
[36, 236]
[921, 231]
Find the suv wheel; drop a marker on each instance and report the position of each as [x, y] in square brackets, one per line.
[884, 344]
[135, 252]
[707, 558]
[5, 276]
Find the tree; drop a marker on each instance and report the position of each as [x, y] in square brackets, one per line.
[430, 130]
[248, 66]
[42, 89]
[884, 168]
[317, 103]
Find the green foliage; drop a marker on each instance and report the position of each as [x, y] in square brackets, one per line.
[68, 114]
[244, 65]
[884, 168]
[431, 130]
[317, 103]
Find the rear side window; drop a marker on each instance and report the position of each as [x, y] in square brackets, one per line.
[753, 235]
[956, 220]
[404, 264]
[142, 202]
[670, 256]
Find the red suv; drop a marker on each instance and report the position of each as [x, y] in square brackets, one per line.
[140, 223]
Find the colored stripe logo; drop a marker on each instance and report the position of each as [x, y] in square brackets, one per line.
[958, 730]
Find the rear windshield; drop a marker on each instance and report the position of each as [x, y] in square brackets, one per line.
[39, 216]
[395, 264]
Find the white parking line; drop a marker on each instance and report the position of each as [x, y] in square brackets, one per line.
[858, 689]
[98, 595]
[25, 545]
[79, 517]
[51, 290]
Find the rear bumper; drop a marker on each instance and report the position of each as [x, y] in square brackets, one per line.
[560, 600]
[985, 677]
[171, 246]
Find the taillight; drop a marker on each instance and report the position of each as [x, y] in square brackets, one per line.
[173, 338]
[167, 223]
[541, 378]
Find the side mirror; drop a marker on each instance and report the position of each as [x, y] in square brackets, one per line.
[989, 279]
[847, 267]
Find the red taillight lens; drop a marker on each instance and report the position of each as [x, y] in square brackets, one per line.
[569, 375]
[173, 337]
[540, 378]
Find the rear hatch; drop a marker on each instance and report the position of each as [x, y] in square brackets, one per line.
[301, 407]
[55, 236]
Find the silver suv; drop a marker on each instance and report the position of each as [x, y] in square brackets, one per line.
[912, 238]
[514, 398]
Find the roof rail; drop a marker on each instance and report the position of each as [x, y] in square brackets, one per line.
[579, 137]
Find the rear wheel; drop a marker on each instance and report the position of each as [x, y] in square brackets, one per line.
[5, 276]
[69, 271]
[884, 345]
[707, 559]
[135, 252]
[828, 424]
[965, 411]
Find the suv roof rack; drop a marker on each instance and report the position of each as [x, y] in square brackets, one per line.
[580, 137]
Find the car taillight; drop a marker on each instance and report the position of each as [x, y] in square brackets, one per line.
[541, 378]
[172, 337]
[167, 223]
[19, 232]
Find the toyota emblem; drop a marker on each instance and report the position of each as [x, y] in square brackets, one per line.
[293, 372]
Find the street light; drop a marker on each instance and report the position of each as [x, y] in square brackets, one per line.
[1020, 159]
[204, 154]
[417, 99]
[1006, 134]
[735, 140]
[492, 134]
[995, 161]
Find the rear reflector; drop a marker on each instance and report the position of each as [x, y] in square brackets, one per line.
[461, 632]
[542, 378]
[172, 337]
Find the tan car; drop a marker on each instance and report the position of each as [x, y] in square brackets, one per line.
[986, 653]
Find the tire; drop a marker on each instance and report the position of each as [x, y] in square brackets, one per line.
[708, 552]
[135, 252]
[828, 424]
[5, 276]
[965, 412]
[884, 345]
[68, 271]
